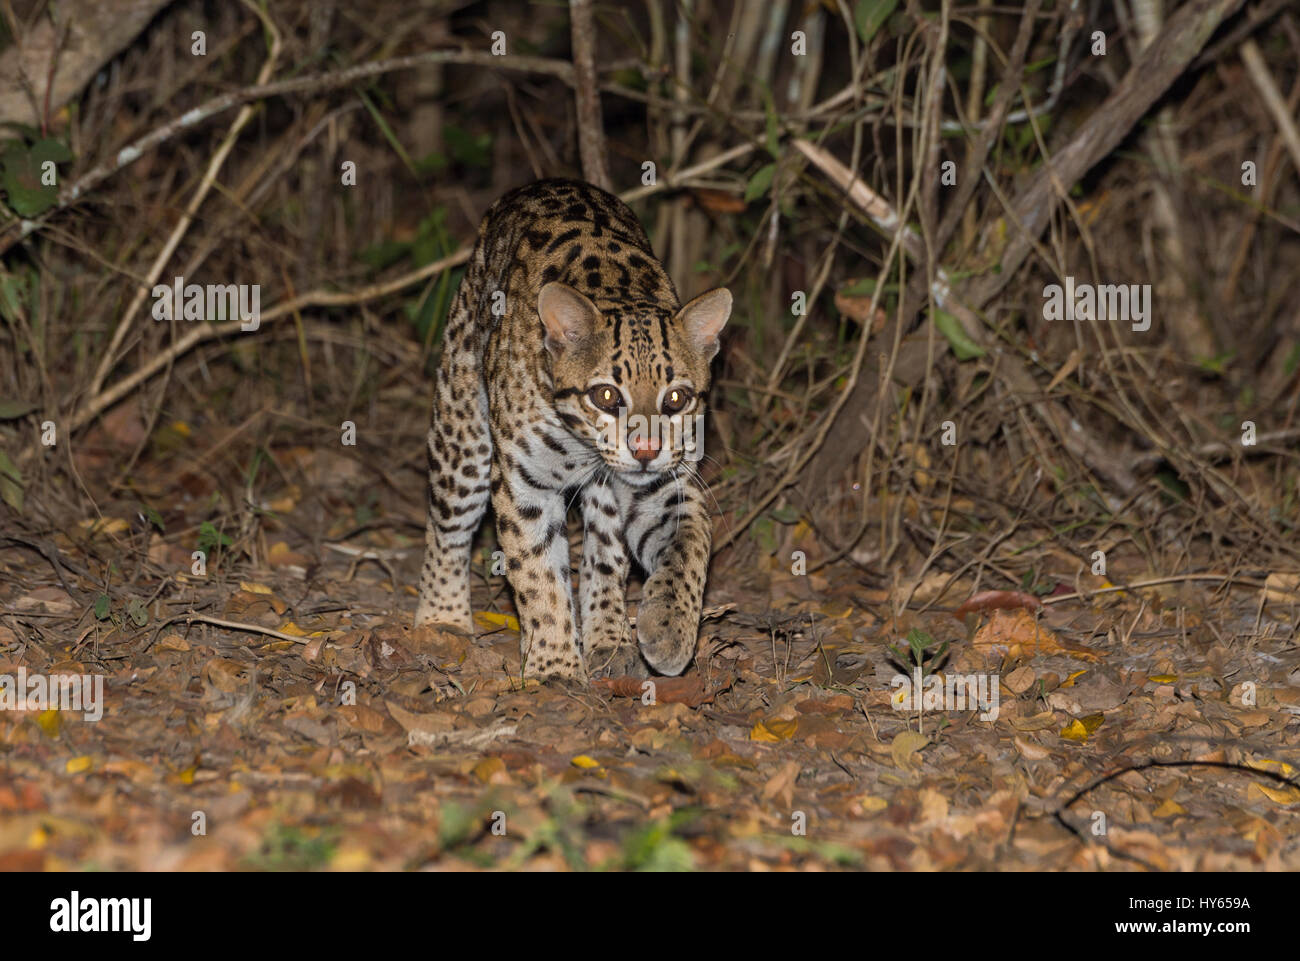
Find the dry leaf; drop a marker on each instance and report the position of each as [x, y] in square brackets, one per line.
[773, 729]
[905, 749]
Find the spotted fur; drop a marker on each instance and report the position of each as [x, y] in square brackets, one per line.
[564, 320]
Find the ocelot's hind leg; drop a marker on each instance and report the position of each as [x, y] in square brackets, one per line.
[460, 456]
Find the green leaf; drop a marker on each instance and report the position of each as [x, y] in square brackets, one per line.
[13, 409]
[154, 518]
[760, 183]
[765, 533]
[467, 149]
[11, 483]
[102, 605]
[962, 346]
[50, 149]
[861, 288]
[918, 640]
[27, 195]
[869, 15]
[1292, 360]
[384, 254]
[1217, 364]
[13, 294]
[138, 612]
[210, 538]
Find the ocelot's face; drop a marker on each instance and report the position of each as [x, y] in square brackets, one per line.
[631, 381]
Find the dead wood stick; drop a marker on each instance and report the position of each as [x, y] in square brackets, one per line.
[1272, 97]
[1160, 64]
[16, 231]
[96, 31]
[192, 208]
[844, 439]
[591, 129]
[1154, 71]
[190, 616]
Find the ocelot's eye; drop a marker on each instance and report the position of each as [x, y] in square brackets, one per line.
[676, 400]
[605, 398]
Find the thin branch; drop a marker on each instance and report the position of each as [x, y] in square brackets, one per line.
[591, 129]
[192, 208]
[1272, 98]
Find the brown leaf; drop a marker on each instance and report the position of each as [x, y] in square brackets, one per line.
[718, 201]
[691, 691]
[998, 600]
[904, 749]
[781, 784]
[1019, 630]
[364, 718]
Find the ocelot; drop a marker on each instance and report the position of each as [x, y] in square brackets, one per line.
[570, 370]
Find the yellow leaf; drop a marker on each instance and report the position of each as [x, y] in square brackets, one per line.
[78, 764]
[254, 588]
[289, 627]
[1074, 731]
[49, 722]
[107, 525]
[1162, 678]
[37, 839]
[1169, 809]
[1080, 728]
[350, 859]
[585, 762]
[774, 729]
[181, 428]
[1092, 721]
[1074, 676]
[187, 776]
[1278, 795]
[492, 620]
[486, 768]
[285, 504]
[1267, 764]
[870, 804]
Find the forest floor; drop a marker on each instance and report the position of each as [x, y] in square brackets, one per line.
[278, 712]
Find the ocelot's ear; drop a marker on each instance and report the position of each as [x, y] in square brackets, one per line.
[704, 317]
[567, 315]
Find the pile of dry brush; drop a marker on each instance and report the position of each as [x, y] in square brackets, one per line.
[889, 188]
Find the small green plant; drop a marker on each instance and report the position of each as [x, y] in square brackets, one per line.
[210, 539]
[288, 847]
[655, 848]
[918, 653]
[924, 656]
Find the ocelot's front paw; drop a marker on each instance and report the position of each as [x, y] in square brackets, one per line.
[548, 660]
[445, 617]
[666, 638]
[616, 659]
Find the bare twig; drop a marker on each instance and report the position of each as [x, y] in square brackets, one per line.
[1272, 97]
[591, 129]
[205, 185]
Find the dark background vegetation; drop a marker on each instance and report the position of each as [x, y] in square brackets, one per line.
[890, 90]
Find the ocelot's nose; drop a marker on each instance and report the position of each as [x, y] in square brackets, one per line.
[645, 449]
